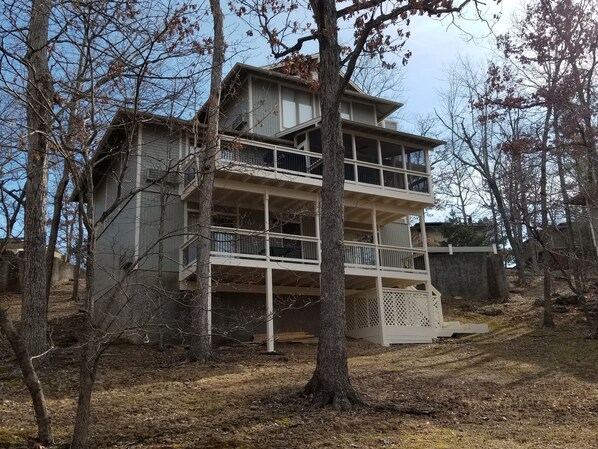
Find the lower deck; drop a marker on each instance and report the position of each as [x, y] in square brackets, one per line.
[379, 309]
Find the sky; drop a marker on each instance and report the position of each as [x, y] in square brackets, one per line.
[438, 44]
[435, 45]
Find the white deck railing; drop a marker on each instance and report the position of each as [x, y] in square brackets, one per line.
[245, 155]
[261, 245]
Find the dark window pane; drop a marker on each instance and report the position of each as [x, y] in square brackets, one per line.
[394, 180]
[366, 149]
[416, 159]
[368, 175]
[315, 166]
[348, 144]
[349, 172]
[418, 184]
[291, 161]
[315, 141]
[392, 154]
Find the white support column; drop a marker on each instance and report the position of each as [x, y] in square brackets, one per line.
[424, 237]
[431, 310]
[317, 219]
[269, 312]
[375, 235]
[379, 287]
[380, 295]
[267, 224]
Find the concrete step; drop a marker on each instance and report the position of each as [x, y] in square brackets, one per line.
[303, 337]
[449, 331]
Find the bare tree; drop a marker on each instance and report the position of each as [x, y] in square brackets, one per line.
[371, 21]
[201, 347]
[32, 382]
[40, 101]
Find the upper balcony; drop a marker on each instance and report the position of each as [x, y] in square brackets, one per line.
[379, 162]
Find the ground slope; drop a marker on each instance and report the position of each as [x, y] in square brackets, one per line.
[519, 386]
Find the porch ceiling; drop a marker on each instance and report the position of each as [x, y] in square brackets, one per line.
[358, 208]
[226, 278]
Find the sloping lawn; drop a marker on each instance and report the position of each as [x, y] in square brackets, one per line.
[519, 386]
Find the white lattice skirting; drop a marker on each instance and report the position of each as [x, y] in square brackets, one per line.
[406, 316]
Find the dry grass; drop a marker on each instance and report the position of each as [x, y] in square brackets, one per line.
[519, 386]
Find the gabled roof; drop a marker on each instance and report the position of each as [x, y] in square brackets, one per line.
[351, 85]
[108, 146]
[240, 71]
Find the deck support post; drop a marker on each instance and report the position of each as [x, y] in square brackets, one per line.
[267, 225]
[431, 310]
[379, 286]
[382, 313]
[269, 312]
[375, 237]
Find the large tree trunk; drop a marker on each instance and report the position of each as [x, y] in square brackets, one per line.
[94, 344]
[201, 346]
[330, 382]
[548, 320]
[516, 245]
[58, 199]
[546, 238]
[39, 122]
[573, 258]
[90, 357]
[42, 415]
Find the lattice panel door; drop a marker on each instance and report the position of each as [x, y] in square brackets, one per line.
[374, 311]
[402, 308]
[362, 312]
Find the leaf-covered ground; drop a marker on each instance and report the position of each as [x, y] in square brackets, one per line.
[520, 386]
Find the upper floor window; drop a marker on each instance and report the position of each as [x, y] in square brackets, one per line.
[392, 154]
[345, 110]
[416, 159]
[297, 107]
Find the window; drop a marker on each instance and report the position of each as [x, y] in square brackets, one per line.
[363, 113]
[297, 107]
[345, 110]
[224, 242]
[359, 254]
[285, 247]
[366, 149]
[416, 159]
[192, 222]
[392, 154]
[348, 144]
[315, 141]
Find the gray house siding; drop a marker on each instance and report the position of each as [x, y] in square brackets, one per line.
[151, 214]
[236, 108]
[160, 152]
[116, 238]
[265, 108]
[396, 234]
[363, 113]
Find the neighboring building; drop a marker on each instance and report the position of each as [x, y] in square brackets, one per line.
[265, 259]
[12, 252]
[560, 256]
[442, 233]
